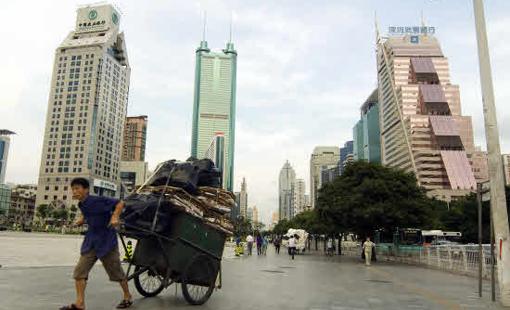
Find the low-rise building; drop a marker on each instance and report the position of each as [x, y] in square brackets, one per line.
[22, 207]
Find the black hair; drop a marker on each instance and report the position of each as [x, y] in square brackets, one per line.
[81, 181]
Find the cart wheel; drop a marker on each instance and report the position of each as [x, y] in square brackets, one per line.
[198, 279]
[148, 283]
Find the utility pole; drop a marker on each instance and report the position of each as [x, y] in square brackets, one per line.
[497, 187]
[480, 249]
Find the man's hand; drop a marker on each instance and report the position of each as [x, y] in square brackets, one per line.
[114, 221]
[79, 222]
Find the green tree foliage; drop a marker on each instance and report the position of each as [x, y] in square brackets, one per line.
[43, 212]
[463, 216]
[369, 196]
[307, 220]
[61, 215]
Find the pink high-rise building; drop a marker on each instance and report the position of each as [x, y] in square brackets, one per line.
[422, 128]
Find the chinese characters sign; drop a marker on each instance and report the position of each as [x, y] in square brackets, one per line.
[394, 30]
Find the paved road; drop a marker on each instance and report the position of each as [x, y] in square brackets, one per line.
[269, 282]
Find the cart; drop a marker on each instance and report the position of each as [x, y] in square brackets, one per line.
[189, 254]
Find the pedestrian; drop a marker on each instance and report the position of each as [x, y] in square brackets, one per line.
[249, 241]
[292, 246]
[330, 247]
[100, 242]
[277, 243]
[259, 244]
[264, 245]
[367, 250]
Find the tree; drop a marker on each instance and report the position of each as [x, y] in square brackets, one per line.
[463, 216]
[43, 212]
[242, 226]
[61, 215]
[369, 196]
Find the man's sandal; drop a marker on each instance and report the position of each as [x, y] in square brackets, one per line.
[125, 304]
[71, 307]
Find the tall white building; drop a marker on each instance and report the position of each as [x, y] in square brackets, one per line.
[286, 192]
[299, 201]
[214, 106]
[4, 152]
[323, 157]
[86, 108]
[243, 200]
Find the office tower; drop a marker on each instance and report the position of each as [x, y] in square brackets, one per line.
[86, 108]
[347, 149]
[217, 153]
[243, 199]
[4, 152]
[214, 103]
[255, 216]
[274, 218]
[366, 132]
[422, 129]
[132, 175]
[323, 157]
[328, 174]
[286, 191]
[249, 214]
[299, 202]
[135, 135]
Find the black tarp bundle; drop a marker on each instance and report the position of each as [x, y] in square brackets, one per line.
[187, 175]
[140, 209]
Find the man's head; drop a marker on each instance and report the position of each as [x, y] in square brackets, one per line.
[368, 238]
[80, 188]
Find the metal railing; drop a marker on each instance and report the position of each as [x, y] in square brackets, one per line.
[460, 259]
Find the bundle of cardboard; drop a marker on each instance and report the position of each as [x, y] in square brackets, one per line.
[192, 187]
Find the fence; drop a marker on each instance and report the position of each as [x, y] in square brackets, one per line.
[460, 259]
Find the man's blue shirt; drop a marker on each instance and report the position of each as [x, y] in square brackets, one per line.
[98, 212]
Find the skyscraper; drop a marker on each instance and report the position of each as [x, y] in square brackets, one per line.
[366, 133]
[86, 108]
[422, 129]
[298, 200]
[243, 200]
[4, 152]
[135, 135]
[286, 192]
[255, 216]
[323, 157]
[345, 151]
[214, 106]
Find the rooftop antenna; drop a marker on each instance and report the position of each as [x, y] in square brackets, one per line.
[422, 19]
[377, 35]
[231, 26]
[205, 25]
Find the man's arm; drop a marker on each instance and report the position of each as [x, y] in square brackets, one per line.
[114, 221]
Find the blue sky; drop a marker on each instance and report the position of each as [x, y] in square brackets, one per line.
[304, 68]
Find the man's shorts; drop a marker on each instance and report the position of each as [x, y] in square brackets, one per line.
[111, 263]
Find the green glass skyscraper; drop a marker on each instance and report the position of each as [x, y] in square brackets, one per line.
[214, 104]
